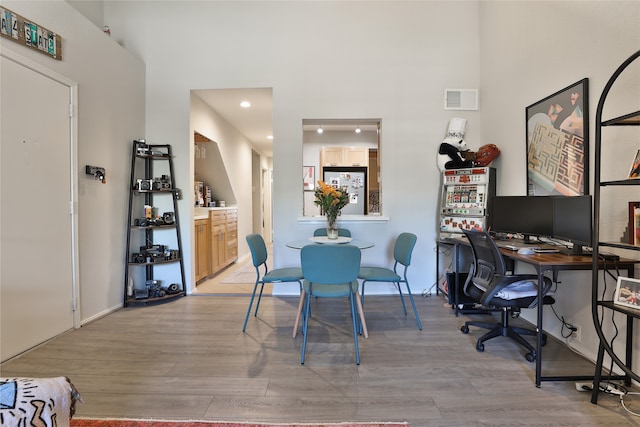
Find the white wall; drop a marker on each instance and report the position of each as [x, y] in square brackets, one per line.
[529, 50]
[322, 59]
[110, 111]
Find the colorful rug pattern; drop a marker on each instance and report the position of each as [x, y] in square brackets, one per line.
[122, 422]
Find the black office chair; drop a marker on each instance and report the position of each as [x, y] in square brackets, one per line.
[490, 285]
[342, 232]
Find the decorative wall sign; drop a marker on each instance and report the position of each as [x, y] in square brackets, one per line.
[21, 30]
[558, 143]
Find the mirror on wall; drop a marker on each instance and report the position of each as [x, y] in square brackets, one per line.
[342, 152]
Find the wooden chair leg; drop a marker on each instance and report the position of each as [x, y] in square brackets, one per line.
[297, 322]
[365, 332]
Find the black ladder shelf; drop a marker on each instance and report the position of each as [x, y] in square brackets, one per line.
[599, 304]
[146, 227]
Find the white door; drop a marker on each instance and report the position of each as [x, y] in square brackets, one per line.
[36, 262]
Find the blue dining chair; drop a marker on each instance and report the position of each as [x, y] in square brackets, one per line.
[402, 251]
[259, 256]
[330, 271]
[342, 232]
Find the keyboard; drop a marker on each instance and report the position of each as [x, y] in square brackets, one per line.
[509, 246]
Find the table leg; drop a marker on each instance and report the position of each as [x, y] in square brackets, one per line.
[539, 327]
[365, 332]
[297, 322]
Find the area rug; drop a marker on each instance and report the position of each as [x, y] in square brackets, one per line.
[241, 277]
[125, 422]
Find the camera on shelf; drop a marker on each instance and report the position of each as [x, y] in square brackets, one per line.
[173, 289]
[154, 288]
[168, 218]
[138, 258]
[171, 254]
[141, 222]
[144, 184]
[154, 253]
[142, 149]
[141, 293]
[162, 183]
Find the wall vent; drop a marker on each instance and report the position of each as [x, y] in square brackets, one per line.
[461, 99]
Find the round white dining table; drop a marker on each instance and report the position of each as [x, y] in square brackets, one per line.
[323, 240]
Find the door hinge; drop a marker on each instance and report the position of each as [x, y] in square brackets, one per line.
[70, 110]
[73, 304]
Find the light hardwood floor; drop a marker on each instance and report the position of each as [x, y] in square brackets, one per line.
[188, 359]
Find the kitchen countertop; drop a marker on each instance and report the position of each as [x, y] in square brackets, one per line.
[203, 213]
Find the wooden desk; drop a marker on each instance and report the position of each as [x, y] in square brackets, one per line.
[548, 263]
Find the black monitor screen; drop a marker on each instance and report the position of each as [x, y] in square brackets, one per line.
[527, 215]
[572, 221]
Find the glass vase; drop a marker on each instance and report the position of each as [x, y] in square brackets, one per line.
[332, 227]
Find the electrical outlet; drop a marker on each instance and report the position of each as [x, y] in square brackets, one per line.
[586, 386]
[577, 334]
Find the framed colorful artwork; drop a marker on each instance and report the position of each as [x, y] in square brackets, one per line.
[634, 223]
[627, 292]
[634, 172]
[557, 143]
[308, 178]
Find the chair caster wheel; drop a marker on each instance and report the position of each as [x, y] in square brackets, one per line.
[480, 347]
[530, 357]
[464, 329]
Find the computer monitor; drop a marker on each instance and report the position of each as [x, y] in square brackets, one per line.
[572, 222]
[526, 215]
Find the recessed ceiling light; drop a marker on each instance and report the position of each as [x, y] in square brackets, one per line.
[320, 130]
[245, 104]
[358, 130]
[270, 137]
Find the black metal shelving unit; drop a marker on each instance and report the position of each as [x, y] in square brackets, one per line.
[152, 254]
[600, 306]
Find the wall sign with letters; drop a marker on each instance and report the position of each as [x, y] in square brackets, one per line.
[21, 30]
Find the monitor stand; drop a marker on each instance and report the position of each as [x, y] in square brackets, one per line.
[576, 250]
[529, 240]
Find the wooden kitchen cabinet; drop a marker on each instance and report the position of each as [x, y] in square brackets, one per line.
[356, 156]
[223, 224]
[231, 237]
[344, 156]
[203, 249]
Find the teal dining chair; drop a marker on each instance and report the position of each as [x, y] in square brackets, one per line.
[342, 232]
[330, 271]
[402, 251]
[278, 275]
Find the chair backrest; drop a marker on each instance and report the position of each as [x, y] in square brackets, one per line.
[258, 249]
[404, 248]
[487, 259]
[342, 232]
[330, 264]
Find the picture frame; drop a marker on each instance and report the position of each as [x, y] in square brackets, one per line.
[634, 223]
[557, 127]
[308, 178]
[627, 292]
[634, 172]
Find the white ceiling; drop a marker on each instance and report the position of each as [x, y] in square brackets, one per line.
[255, 122]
